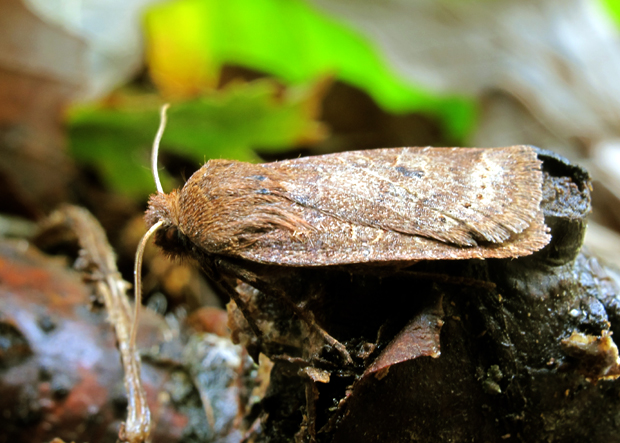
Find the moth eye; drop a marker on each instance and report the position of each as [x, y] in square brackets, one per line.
[171, 234]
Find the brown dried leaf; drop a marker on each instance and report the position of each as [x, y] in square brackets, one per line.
[420, 338]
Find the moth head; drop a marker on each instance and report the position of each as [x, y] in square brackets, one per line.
[164, 209]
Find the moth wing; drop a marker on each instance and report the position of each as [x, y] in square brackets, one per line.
[413, 202]
[383, 205]
[458, 196]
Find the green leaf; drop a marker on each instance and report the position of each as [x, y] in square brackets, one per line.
[613, 9]
[225, 124]
[290, 39]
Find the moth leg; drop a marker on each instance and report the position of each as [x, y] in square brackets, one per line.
[209, 266]
[251, 278]
[243, 307]
[302, 362]
[308, 317]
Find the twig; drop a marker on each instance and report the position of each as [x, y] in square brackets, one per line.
[98, 261]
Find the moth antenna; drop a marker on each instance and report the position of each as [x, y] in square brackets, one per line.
[137, 275]
[155, 150]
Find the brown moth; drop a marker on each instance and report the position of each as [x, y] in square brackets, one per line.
[376, 206]
[392, 207]
[257, 229]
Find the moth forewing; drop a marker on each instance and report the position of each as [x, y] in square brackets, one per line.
[377, 206]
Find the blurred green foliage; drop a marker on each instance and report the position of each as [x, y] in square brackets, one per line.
[291, 40]
[188, 43]
[613, 9]
[225, 124]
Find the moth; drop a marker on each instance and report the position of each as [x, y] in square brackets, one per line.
[361, 208]
[378, 206]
